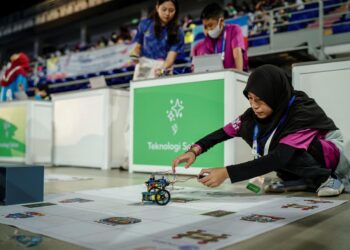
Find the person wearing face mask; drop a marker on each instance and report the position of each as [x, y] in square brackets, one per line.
[160, 37]
[225, 39]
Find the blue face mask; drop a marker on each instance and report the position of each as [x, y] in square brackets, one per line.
[38, 97]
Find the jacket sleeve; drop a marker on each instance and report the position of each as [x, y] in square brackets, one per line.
[212, 139]
[229, 131]
[277, 159]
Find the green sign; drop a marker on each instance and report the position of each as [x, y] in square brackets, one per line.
[12, 131]
[169, 118]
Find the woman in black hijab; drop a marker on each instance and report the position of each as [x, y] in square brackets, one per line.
[288, 132]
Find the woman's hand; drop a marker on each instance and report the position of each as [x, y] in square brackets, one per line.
[162, 72]
[215, 177]
[135, 58]
[188, 157]
[136, 52]
[158, 72]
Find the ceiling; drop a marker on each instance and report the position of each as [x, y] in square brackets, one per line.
[14, 6]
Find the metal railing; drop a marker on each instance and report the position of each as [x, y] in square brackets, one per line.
[108, 77]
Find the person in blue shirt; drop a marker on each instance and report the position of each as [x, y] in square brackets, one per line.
[14, 79]
[160, 37]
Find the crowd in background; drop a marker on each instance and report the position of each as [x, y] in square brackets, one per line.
[257, 10]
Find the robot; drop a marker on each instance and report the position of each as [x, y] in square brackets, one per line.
[156, 191]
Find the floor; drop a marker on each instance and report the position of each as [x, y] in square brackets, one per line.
[325, 230]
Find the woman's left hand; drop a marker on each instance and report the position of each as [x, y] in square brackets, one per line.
[158, 72]
[215, 177]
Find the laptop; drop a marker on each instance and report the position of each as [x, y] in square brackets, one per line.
[97, 82]
[207, 63]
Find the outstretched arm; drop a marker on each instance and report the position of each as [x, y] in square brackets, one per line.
[277, 159]
[199, 147]
[212, 139]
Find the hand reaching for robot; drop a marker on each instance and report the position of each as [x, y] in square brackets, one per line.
[188, 157]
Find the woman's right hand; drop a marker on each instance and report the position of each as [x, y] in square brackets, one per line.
[135, 58]
[188, 157]
[136, 53]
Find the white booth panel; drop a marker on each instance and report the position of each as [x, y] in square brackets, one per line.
[79, 132]
[90, 128]
[42, 136]
[329, 84]
[120, 129]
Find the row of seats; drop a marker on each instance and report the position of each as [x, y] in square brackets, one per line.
[309, 12]
[342, 25]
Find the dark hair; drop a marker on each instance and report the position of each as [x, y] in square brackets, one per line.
[124, 34]
[43, 87]
[173, 28]
[212, 10]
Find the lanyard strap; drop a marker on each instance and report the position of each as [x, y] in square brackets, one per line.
[255, 148]
[223, 46]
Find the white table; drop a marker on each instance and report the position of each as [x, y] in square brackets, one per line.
[90, 128]
[26, 132]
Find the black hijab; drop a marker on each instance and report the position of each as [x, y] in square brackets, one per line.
[272, 86]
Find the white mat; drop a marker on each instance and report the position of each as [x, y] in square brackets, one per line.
[174, 226]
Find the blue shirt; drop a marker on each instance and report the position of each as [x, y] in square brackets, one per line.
[155, 48]
[9, 92]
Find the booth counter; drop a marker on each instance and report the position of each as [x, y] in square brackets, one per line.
[91, 128]
[26, 132]
[169, 114]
